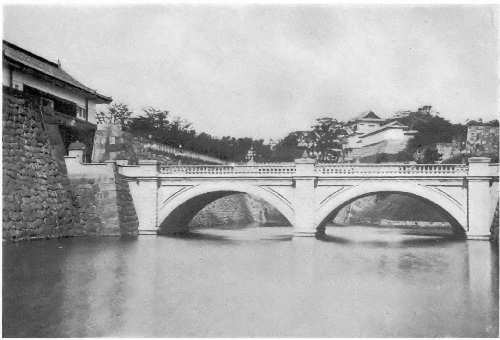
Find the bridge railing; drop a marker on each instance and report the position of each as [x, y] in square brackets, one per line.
[347, 169]
[322, 170]
[261, 169]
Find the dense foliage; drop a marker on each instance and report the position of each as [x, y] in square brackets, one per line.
[323, 141]
[160, 126]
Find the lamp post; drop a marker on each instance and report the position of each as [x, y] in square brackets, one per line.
[250, 157]
[180, 152]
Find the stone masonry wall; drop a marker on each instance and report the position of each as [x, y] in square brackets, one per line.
[37, 199]
[237, 210]
[40, 200]
[103, 198]
[85, 198]
[129, 223]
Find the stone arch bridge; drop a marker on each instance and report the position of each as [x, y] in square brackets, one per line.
[309, 194]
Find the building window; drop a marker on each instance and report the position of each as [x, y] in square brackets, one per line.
[112, 140]
[81, 113]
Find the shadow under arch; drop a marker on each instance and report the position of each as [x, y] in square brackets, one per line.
[449, 209]
[176, 213]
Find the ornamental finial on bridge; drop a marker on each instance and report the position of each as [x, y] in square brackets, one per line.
[250, 157]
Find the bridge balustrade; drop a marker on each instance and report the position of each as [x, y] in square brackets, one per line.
[346, 169]
[328, 170]
[281, 169]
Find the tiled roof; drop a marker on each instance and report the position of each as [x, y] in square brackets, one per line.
[28, 59]
[366, 115]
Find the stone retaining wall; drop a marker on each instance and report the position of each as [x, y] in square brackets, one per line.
[129, 223]
[37, 198]
[105, 189]
[237, 210]
[43, 198]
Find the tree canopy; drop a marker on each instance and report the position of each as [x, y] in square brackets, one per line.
[323, 141]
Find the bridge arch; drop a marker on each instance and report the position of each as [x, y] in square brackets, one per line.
[175, 213]
[451, 208]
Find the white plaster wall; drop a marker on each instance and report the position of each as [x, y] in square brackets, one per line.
[365, 127]
[389, 134]
[22, 78]
[6, 77]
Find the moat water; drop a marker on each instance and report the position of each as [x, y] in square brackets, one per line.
[356, 282]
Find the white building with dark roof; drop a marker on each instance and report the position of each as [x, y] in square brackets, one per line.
[68, 106]
[389, 138]
[366, 122]
[46, 81]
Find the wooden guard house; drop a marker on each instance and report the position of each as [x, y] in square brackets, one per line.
[67, 106]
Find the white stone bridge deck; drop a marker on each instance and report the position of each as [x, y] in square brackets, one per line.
[166, 198]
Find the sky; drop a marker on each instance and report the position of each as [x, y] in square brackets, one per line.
[263, 71]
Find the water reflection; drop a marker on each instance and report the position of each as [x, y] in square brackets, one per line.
[354, 282]
[199, 236]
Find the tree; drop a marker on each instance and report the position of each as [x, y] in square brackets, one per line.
[287, 149]
[431, 129]
[117, 113]
[431, 155]
[327, 135]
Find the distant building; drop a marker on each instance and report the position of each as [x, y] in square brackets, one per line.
[388, 138]
[366, 122]
[482, 140]
[65, 102]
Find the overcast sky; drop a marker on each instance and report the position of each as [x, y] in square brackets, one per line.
[263, 71]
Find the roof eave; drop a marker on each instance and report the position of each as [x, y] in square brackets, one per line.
[100, 99]
[382, 129]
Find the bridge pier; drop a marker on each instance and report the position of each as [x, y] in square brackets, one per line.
[304, 198]
[481, 199]
[144, 191]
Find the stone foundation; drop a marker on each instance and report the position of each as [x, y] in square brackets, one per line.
[37, 198]
[40, 200]
[104, 197]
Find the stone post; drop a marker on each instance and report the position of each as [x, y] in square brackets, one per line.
[303, 198]
[479, 199]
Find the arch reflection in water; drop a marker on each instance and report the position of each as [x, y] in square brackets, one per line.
[177, 287]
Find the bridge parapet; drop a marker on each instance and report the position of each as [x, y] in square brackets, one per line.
[263, 169]
[347, 169]
[327, 170]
